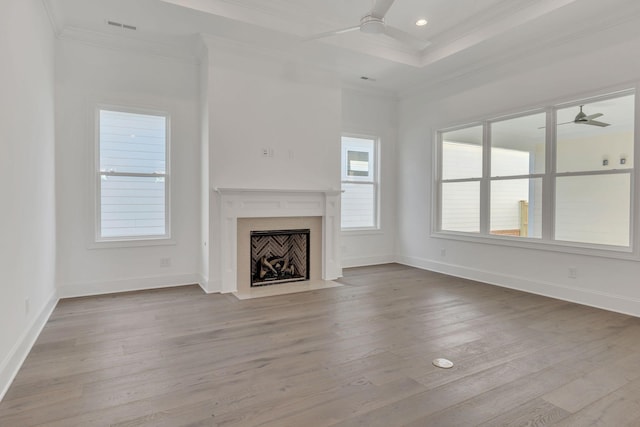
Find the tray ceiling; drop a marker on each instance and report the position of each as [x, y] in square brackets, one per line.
[462, 34]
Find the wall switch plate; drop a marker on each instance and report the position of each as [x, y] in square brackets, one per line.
[573, 272]
[165, 262]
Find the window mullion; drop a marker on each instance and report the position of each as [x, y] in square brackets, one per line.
[436, 221]
[135, 174]
[485, 184]
[549, 179]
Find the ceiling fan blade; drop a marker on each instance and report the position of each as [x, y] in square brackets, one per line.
[583, 122]
[594, 116]
[332, 33]
[381, 8]
[406, 38]
[557, 124]
[597, 123]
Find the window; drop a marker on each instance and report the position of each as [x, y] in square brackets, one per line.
[594, 172]
[517, 170]
[359, 183]
[132, 166]
[564, 174]
[461, 175]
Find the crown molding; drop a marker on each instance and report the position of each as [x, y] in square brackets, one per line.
[51, 14]
[370, 90]
[184, 52]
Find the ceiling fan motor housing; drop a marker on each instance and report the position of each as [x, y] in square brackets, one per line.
[581, 117]
[372, 25]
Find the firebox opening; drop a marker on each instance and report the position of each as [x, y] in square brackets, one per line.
[279, 256]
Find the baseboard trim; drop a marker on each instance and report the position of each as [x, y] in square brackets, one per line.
[365, 261]
[602, 300]
[127, 285]
[208, 287]
[12, 364]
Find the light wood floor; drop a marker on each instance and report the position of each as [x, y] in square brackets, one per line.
[356, 355]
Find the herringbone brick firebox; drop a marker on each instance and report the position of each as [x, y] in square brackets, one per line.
[279, 256]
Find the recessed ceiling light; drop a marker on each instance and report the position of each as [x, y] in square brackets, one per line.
[421, 22]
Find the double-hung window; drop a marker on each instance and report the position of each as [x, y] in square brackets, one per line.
[563, 174]
[359, 183]
[132, 175]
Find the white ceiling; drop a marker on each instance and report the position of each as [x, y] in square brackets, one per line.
[463, 34]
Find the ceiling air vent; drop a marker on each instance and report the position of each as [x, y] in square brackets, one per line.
[123, 26]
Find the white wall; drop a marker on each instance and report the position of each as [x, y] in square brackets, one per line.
[88, 75]
[291, 110]
[552, 76]
[27, 217]
[373, 115]
[258, 103]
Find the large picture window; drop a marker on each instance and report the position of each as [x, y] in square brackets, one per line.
[359, 183]
[132, 179]
[564, 174]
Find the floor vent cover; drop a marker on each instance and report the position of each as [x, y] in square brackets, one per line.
[443, 363]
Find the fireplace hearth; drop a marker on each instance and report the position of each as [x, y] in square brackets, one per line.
[279, 256]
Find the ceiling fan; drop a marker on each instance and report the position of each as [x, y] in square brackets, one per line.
[583, 119]
[374, 23]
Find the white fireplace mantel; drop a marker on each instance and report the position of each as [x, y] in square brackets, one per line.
[234, 203]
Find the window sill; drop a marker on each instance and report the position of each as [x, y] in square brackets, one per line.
[601, 251]
[131, 243]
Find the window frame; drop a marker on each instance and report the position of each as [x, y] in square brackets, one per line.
[375, 182]
[133, 240]
[547, 240]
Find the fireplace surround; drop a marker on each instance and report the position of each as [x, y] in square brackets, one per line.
[296, 208]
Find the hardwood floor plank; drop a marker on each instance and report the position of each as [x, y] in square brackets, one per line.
[596, 384]
[620, 408]
[359, 354]
[534, 413]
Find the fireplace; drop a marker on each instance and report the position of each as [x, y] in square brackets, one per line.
[279, 256]
[241, 211]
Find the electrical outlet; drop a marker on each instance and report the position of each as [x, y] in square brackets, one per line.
[165, 262]
[573, 272]
[443, 252]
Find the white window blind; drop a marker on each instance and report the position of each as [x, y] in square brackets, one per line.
[132, 175]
